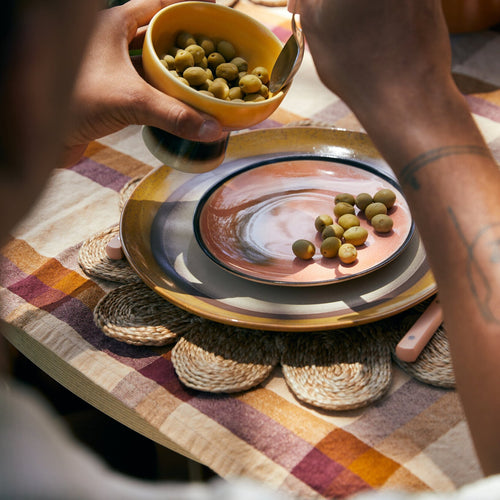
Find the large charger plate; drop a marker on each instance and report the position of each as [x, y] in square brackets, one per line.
[157, 234]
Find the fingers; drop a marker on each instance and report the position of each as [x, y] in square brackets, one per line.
[143, 10]
[162, 111]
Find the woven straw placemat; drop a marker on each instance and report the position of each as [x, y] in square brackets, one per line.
[221, 358]
[433, 366]
[136, 315]
[337, 370]
[127, 190]
[95, 262]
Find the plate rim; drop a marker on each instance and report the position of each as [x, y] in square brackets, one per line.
[154, 188]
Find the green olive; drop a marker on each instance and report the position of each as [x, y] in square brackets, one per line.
[195, 76]
[348, 253]
[356, 235]
[169, 61]
[332, 230]
[184, 39]
[375, 208]
[205, 85]
[345, 197]
[385, 196]
[206, 43]
[226, 49]
[240, 63]
[197, 52]
[219, 88]
[214, 59]
[264, 91]
[348, 220]
[250, 84]
[363, 200]
[227, 71]
[382, 223]
[322, 221]
[206, 92]
[183, 59]
[330, 247]
[254, 98]
[304, 249]
[262, 73]
[235, 93]
[342, 208]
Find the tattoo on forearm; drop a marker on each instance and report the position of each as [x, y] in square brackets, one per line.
[483, 252]
[409, 171]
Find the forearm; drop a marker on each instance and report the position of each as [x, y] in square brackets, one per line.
[453, 185]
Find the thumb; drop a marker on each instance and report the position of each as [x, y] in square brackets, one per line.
[167, 113]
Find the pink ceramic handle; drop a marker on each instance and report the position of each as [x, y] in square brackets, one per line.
[417, 337]
[114, 249]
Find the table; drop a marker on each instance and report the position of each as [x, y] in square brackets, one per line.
[414, 437]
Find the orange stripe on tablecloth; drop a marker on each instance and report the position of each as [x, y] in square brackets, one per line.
[51, 273]
[22, 255]
[492, 97]
[374, 468]
[295, 418]
[342, 446]
[367, 463]
[121, 162]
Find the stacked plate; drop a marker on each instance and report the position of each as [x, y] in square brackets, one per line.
[220, 245]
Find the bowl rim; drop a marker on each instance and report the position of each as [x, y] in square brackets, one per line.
[229, 104]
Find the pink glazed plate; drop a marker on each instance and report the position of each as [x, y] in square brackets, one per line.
[248, 221]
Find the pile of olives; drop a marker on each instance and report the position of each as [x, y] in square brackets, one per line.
[341, 238]
[214, 68]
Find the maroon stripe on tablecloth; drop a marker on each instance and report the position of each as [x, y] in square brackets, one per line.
[255, 428]
[483, 108]
[161, 370]
[9, 272]
[319, 472]
[73, 312]
[103, 175]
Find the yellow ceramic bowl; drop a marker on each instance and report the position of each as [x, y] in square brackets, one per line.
[252, 41]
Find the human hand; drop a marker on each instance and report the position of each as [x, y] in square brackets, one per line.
[371, 52]
[110, 92]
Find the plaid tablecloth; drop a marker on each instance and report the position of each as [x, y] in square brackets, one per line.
[414, 438]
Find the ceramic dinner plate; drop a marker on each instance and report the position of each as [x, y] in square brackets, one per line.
[248, 221]
[157, 233]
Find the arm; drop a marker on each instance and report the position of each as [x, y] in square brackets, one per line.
[110, 92]
[390, 62]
